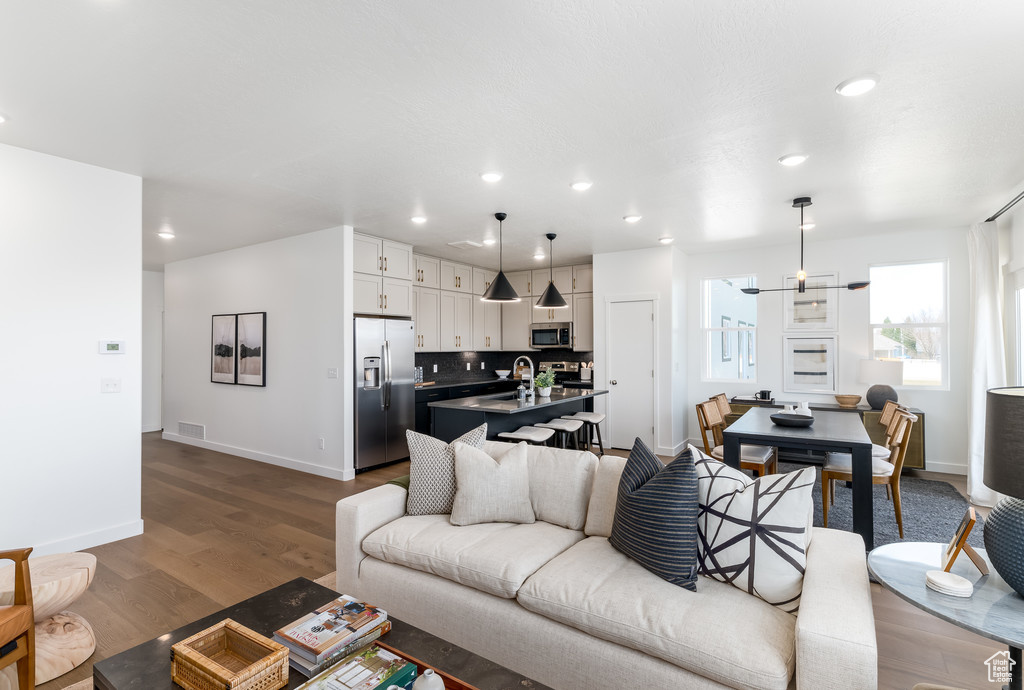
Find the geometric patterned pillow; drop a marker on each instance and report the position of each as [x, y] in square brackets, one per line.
[432, 471]
[655, 520]
[753, 533]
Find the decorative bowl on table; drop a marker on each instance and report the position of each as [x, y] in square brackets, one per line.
[503, 373]
[847, 400]
[785, 419]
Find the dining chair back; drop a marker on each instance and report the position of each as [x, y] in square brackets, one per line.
[17, 622]
[711, 422]
[761, 460]
[724, 408]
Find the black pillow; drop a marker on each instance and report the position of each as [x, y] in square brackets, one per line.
[655, 520]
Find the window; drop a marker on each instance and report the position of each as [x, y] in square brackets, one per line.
[1020, 336]
[730, 328]
[908, 320]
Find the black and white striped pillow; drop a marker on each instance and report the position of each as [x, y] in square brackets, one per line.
[753, 533]
[655, 520]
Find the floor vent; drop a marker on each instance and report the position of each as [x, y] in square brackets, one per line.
[192, 430]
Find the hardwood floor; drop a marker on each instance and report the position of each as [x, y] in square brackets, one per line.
[219, 529]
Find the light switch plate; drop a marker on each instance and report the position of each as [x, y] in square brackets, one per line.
[332, 373]
[110, 385]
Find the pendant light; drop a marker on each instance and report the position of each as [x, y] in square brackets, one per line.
[801, 277]
[551, 297]
[500, 290]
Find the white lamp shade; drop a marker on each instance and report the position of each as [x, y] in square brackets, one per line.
[885, 371]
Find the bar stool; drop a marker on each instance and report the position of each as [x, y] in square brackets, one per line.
[593, 421]
[566, 428]
[530, 434]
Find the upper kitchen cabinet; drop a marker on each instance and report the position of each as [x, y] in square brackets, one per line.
[457, 277]
[456, 321]
[398, 262]
[426, 314]
[583, 321]
[583, 278]
[427, 271]
[516, 318]
[520, 281]
[381, 296]
[562, 280]
[482, 278]
[374, 256]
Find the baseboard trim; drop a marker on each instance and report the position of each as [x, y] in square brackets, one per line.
[146, 428]
[307, 467]
[671, 451]
[88, 540]
[946, 467]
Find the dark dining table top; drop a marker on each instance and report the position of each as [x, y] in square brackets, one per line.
[828, 428]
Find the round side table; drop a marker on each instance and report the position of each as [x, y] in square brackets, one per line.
[994, 610]
[63, 639]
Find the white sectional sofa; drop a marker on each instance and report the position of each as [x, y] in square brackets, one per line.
[554, 601]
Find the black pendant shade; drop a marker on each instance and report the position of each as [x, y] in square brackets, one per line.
[500, 290]
[551, 298]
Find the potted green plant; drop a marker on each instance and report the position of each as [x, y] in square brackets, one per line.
[543, 383]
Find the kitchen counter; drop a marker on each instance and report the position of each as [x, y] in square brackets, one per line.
[474, 382]
[509, 403]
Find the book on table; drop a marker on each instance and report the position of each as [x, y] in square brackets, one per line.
[310, 669]
[369, 669]
[334, 625]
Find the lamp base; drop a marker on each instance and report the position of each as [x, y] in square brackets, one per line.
[1004, 541]
[878, 394]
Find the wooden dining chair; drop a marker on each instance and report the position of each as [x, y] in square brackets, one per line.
[17, 623]
[839, 467]
[722, 400]
[761, 460]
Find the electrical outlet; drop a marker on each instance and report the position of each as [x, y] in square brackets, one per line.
[321, 443]
[483, 365]
[332, 373]
[110, 385]
[468, 366]
[435, 368]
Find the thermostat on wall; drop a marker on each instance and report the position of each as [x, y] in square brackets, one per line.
[111, 347]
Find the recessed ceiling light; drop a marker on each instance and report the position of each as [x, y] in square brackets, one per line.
[419, 220]
[582, 185]
[490, 241]
[491, 176]
[631, 219]
[807, 226]
[858, 86]
[538, 256]
[791, 159]
[665, 240]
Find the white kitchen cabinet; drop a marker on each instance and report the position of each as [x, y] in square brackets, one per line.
[520, 281]
[583, 321]
[456, 321]
[427, 271]
[397, 260]
[367, 255]
[486, 326]
[516, 318]
[583, 278]
[482, 279]
[426, 315]
[457, 277]
[397, 297]
[367, 294]
[563, 280]
[560, 315]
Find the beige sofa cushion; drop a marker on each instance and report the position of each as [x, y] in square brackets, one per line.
[718, 631]
[560, 482]
[491, 489]
[493, 557]
[601, 511]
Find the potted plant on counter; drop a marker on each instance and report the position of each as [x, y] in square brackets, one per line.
[543, 383]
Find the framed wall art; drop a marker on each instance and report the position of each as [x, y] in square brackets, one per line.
[252, 355]
[810, 364]
[815, 308]
[726, 335]
[223, 348]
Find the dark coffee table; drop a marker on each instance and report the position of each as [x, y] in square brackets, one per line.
[148, 666]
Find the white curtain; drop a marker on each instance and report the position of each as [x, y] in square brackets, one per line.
[988, 358]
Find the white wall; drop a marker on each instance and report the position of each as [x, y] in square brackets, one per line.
[648, 273]
[300, 283]
[946, 410]
[69, 277]
[152, 348]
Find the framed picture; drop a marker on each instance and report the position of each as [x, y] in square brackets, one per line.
[810, 364]
[726, 349]
[815, 308]
[252, 356]
[223, 348]
[959, 543]
[750, 347]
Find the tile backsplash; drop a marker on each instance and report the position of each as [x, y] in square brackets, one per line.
[451, 366]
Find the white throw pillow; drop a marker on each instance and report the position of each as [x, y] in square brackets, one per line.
[491, 489]
[753, 533]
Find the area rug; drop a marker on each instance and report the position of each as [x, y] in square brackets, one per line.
[932, 510]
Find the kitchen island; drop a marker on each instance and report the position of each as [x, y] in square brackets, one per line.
[505, 412]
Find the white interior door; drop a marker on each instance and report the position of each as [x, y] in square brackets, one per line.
[630, 373]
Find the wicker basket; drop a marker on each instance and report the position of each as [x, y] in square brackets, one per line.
[229, 656]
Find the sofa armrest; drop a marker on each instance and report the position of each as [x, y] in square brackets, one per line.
[356, 518]
[835, 627]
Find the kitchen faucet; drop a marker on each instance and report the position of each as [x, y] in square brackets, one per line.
[529, 392]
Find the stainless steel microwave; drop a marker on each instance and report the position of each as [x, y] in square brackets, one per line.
[550, 335]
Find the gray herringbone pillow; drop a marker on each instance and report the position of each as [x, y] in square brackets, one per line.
[432, 471]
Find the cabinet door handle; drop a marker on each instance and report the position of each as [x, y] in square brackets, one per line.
[380, 264]
[528, 284]
[385, 301]
[574, 283]
[385, 264]
[574, 341]
[380, 302]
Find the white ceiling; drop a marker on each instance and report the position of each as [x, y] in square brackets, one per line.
[255, 120]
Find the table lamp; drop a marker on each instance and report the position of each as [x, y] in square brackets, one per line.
[882, 374]
[1004, 472]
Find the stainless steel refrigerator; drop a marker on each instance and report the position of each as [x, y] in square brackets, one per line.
[385, 398]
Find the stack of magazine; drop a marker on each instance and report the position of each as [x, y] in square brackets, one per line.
[334, 631]
[373, 668]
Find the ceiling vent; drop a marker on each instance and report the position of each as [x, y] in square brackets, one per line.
[192, 430]
[465, 244]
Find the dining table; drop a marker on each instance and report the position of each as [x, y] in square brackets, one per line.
[837, 432]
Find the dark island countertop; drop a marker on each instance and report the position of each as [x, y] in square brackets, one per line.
[509, 403]
[472, 382]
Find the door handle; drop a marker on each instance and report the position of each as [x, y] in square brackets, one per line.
[614, 382]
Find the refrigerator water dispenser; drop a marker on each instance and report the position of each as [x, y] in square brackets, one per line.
[371, 373]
